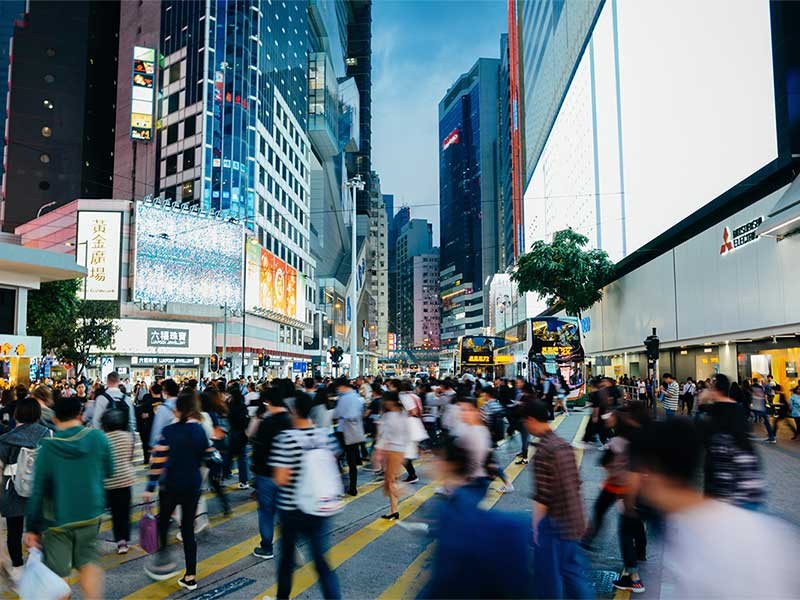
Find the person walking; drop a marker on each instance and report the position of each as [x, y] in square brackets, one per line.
[119, 486]
[413, 407]
[164, 413]
[213, 404]
[276, 421]
[27, 433]
[238, 420]
[349, 412]
[183, 447]
[145, 415]
[758, 406]
[113, 398]
[44, 396]
[558, 518]
[286, 461]
[794, 407]
[62, 522]
[390, 447]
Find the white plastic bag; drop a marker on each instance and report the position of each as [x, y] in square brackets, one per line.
[38, 582]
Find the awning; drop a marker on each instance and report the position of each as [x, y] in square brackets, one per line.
[784, 218]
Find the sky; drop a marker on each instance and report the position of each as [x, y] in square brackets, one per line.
[419, 48]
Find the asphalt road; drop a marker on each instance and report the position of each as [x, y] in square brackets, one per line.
[376, 559]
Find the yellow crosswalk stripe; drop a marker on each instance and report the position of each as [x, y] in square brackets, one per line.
[578, 437]
[220, 560]
[414, 578]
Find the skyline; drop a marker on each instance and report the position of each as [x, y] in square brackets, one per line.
[408, 41]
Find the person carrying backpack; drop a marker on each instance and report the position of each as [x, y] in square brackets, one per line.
[238, 420]
[304, 467]
[19, 443]
[113, 405]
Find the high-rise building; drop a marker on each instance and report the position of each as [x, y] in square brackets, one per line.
[468, 121]
[388, 202]
[11, 13]
[505, 199]
[415, 239]
[426, 316]
[359, 67]
[59, 142]
[396, 225]
[379, 269]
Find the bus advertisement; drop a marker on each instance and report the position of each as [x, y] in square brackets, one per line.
[556, 348]
[476, 353]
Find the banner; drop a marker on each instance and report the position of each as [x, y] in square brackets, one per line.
[274, 285]
[98, 244]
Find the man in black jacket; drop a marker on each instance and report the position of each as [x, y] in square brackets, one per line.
[145, 412]
[266, 489]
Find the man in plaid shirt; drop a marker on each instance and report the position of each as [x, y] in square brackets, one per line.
[558, 519]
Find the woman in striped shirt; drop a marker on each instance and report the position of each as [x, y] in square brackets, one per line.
[118, 487]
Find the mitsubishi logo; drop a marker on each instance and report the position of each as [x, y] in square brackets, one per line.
[727, 243]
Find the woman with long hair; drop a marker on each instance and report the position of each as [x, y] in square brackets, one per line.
[213, 405]
[238, 420]
[177, 457]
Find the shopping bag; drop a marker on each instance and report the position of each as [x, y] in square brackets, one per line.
[38, 582]
[148, 531]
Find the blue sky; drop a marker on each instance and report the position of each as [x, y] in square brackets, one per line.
[419, 48]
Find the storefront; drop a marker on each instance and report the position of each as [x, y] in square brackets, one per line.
[144, 349]
[17, 353]
[779, 357]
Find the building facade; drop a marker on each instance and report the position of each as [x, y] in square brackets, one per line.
[415, 240]
[426, 315]
[59, 141]
[468, 185]
[396, 224]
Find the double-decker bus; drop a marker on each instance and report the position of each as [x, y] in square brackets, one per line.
[476, 354]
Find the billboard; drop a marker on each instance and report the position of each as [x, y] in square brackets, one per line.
[143, 93]
[642, 141]
[186, 257]
[273, 285]
[99, 243]
[556, 348]
[477, 350]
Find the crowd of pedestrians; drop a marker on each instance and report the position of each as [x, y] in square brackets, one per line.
[301, 443]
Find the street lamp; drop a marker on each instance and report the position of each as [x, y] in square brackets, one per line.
[43, 206]
[354, 185]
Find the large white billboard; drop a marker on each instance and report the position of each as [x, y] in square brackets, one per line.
[99, 250]
[671, 106]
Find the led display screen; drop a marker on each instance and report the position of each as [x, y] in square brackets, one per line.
[186, 257]
[671, 105]
[273, 285]
[143, 93]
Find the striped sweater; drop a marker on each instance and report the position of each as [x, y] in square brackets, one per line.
[122, 444]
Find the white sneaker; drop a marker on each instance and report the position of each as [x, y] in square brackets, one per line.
[16, 573]
[580, 445]
[122, 547]
[505, 488]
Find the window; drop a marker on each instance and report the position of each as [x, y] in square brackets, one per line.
[172, 103]
[188, 159]
[44, 158]
[44, 185]
[172, 133]
[189, 127]
[47, 132]
[51, 52]
[47, 104]
[49, 78]
[174, 72]
[8, 306]
[187, 192]
[172, 164]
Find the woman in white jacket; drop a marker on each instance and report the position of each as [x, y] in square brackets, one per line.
[390, 448]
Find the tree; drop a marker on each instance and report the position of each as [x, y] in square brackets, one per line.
[69, 326]
[563, 273]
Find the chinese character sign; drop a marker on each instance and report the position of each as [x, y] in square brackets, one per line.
[161, 337]
[98, 249]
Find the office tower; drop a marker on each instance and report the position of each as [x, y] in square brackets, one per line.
[359, 67]
[468, 120]
[60, 108]
[396, 225]
[415, 240]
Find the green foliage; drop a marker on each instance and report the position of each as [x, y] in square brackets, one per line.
[563, 273]
[69, 326]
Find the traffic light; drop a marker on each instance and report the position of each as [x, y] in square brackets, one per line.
[651, 346]
[260, 359]
[335, 353]
[263, 360]
[213, 363]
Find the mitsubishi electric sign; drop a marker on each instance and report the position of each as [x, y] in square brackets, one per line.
[740, 236]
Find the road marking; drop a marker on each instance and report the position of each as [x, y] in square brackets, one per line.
[414, 578]
[578, 437]
[220, 560]
[306, 576]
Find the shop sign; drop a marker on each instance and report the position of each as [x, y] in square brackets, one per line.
[740, 236]
[791, 369]
[177, 361]
[299, 367]
[167, 337]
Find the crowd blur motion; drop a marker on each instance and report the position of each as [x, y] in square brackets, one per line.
[681, 465]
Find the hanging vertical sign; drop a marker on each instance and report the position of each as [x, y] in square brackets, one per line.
[99, 250]
[143, 93]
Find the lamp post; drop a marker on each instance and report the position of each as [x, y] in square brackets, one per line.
[43, 206]
[355, 184]
[247, 240]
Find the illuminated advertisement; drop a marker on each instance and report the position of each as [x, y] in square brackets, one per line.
[479, 350]
[556, 347]
[452, 138]
[186, 257]
[98, 249]
[143, 93]
[273, 285]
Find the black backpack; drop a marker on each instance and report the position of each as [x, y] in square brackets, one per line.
[115, 415]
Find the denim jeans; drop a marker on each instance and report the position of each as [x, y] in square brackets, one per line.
[295, 524]
[669, 412]
[238, 448]
[266, 495]
[761, 414]
[560, 565]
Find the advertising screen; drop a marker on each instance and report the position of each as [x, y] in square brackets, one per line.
[99, 243]
[556, 348]
[477, 350]
[175, 252]
[672, 104]
[143, 93]
[273, 285]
